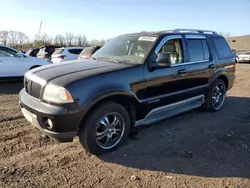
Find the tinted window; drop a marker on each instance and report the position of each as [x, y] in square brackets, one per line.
[75, 51]
[222, 48]
[6, 52]
[197, 50]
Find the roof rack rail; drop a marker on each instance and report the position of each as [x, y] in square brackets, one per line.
[195, 30]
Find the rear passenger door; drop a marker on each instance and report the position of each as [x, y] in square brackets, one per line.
[200, 61]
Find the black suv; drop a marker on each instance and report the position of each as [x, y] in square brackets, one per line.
[135, 79]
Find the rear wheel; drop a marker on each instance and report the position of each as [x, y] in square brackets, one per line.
[216, 96]
[105, 128]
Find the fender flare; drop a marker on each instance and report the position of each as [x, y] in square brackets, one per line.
[105, 94]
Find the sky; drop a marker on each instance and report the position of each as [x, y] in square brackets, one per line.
[103, 19]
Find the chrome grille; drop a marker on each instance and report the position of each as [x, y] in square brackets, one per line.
[32, 88]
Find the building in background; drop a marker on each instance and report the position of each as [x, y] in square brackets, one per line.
[239, 43]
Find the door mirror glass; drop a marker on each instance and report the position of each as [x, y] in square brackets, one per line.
[163, 59]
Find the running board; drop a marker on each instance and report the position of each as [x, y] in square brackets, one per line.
[173, 109]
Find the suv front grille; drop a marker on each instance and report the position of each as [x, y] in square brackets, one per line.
[32, 88]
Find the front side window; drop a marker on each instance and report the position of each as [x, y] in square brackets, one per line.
[197, 50]
[128, 49]
[6, 52]
[174, 48]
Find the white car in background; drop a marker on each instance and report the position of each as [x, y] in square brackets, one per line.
[66, 54]
[14, 63]
[243, 57]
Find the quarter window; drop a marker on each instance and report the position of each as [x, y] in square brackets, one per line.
[222, 49]
[197, 50]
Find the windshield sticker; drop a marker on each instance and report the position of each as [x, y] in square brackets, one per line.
[146, 38]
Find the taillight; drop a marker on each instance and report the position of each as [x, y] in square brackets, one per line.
[235, 65]
[61, 56]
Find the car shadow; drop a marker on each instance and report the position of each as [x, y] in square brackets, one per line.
[10, 87]
[194, 143]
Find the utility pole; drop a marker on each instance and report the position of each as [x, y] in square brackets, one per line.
[37, 36]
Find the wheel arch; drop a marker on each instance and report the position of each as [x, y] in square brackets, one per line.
[125, 98]
[222, 75]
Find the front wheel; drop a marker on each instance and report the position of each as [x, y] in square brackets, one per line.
[105, 128]
[216, 96]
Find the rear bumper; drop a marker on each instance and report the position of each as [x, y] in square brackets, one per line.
[64, 125]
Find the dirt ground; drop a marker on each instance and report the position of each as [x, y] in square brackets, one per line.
[201, 150]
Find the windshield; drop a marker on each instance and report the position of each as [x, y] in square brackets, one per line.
[128, 49]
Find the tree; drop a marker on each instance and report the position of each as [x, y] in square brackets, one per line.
[81, 40]
[13, 38]
[22, 38]
[4, 36]
[225, 34]
[69, 38]
[59, 39]
[46, 39]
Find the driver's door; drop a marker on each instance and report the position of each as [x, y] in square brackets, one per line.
[167, 85]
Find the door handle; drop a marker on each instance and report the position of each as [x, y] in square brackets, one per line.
[211, 66]
[182, 71]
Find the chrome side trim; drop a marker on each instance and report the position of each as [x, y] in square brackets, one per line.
[189, 63]
[230, 66]
[195, 37]
[35, 78]
[169, 106]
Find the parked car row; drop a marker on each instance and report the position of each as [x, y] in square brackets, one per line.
[59, 54]
[14, 63]
[243, 57]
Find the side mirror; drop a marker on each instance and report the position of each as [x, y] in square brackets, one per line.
[163, 59]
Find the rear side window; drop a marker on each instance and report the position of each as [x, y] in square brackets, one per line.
[197, 50]
[58, 51]
[88, 51]
[75, 51]
[222, 49]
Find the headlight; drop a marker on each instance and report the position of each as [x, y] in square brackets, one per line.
[57, 94]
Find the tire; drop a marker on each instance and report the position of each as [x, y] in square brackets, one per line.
[212, 96]
[96, 130]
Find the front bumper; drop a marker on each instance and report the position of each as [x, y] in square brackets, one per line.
[64, 124]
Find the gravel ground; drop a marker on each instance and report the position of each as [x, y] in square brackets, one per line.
[200, 150]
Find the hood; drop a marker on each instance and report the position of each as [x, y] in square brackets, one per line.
[66, 72]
